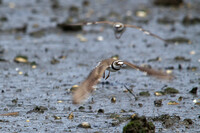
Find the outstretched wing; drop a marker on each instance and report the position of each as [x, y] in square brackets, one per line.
[87, 86]
[117, 33]
[144, 31]
[149, 71]
[92, 23]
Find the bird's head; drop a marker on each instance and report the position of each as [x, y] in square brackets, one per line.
[117, 65]
[119, 28]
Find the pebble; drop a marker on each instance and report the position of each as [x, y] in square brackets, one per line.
[84, 125]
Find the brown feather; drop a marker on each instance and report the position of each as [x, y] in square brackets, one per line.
[149, 71]
[145, 31]
[86, 87]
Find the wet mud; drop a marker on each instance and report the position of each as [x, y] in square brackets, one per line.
[42, 58]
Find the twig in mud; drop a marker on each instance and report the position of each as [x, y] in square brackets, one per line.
[130, 92]
[10, 114]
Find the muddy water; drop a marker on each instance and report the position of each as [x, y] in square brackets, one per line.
[29, 28]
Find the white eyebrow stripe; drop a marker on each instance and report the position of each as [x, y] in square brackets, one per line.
[121, 63]
[117, 25]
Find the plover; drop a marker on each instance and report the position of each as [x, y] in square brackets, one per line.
[119, 28]
[112, 65]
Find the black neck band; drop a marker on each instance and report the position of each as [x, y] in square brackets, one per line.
[114, 67]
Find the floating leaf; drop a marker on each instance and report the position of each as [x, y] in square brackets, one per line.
[10, 114]
[172, 103]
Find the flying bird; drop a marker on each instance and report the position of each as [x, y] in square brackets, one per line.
[119, 28]
[112, 65]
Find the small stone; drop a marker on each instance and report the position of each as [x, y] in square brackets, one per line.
[140, 104]
[179, 40]
[192, 52]
[180, 98]
[144, 93]
[141, 13]
[159, 93]
[170, 90]
[194, 90]
[21, 59]
[57, 117]
[168, 2]
[59, 101]
[100, 38]
[179, 66]
[169, 71]
[20, 72]
[187, 122]
[38, 109]
[81, 108]
[122, 111]
[54, 61]
[34, 66]
[113, 99]
[15, 101]
[84, 125]
[100, 111]
[193, 68]
[158, 103]
[196, 101]
[188, 20]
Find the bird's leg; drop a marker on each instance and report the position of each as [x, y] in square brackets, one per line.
[108, 75]
[104, 75]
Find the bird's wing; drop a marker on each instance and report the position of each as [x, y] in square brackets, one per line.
[145, 31]
[87, 86]
[149, 71]
[92, 23]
